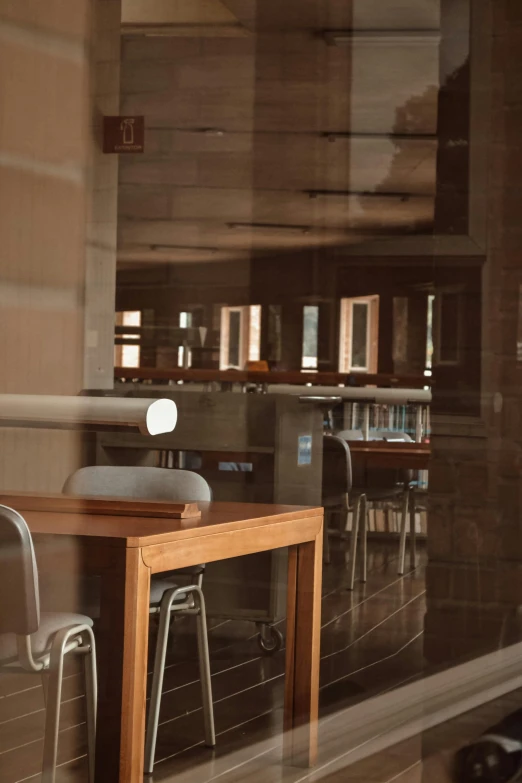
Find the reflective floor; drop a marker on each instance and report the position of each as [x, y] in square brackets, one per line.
[371, 642]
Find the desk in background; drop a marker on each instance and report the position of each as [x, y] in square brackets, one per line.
[386, 454]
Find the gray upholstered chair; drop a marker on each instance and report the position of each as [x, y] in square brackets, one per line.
[350, 434]
[166, 597]
[36, 642]
[338, 497]
[390, 435]
[387, 487]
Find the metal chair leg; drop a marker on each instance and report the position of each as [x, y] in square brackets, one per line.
[91, 702]
[204, 672]
[45, 685]
[54, 697]
[52, 716]
[402, 540]
[365, 512]
[157, 679]
[413, 531]
[166, 611]
[353, 541]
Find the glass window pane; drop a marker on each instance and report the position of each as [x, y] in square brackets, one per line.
[234, 338]
[130, 356]
[310, 336]
[324, 185]
[429, 333]
[254, 341]
[449, 327]
[359, 335]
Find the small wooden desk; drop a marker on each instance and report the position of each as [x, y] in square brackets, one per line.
[389, 454]
[401, 456]
[126, 550]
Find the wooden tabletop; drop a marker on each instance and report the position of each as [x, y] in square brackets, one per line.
[389, 447]
[137, 531]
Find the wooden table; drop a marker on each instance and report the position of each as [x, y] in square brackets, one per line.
[390, 454]
[126, 550]
[401, 456]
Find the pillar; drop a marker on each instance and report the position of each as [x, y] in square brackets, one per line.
[474, 577]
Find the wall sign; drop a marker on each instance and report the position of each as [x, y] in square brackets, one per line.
[123, 134]
[304, 450]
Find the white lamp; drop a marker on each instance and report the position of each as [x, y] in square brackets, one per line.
[151, 417]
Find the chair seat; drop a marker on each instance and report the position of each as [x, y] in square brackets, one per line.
[196, 570]
[41, 641]
[333, 501]
[159, 586]
[372, 495]
[191, 570]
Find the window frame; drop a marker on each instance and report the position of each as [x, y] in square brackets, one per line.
[346, 334]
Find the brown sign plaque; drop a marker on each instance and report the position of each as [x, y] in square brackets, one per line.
[123, 134]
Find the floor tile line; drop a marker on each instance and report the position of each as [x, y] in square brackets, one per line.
[374, 628]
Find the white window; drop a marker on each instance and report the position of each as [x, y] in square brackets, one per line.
[446, 327]
[254, 336]
[128, 355]
[310, 337]
[359, 337]
[184, 353]
[240, 336]
[185, 320]
[429, 337]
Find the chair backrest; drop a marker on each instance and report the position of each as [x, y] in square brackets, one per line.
[390, 435]
[138, 482]
[350, 434]
[376, 478]
[337, 467]
[19, 595]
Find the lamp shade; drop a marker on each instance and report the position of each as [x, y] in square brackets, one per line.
[150, 417]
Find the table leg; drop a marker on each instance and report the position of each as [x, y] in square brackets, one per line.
[303, 652]
[122, 652]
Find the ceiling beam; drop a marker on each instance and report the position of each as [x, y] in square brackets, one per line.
[269, 227]
[381, 37]
[334, 135]
[402, 195]
[185, 30]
